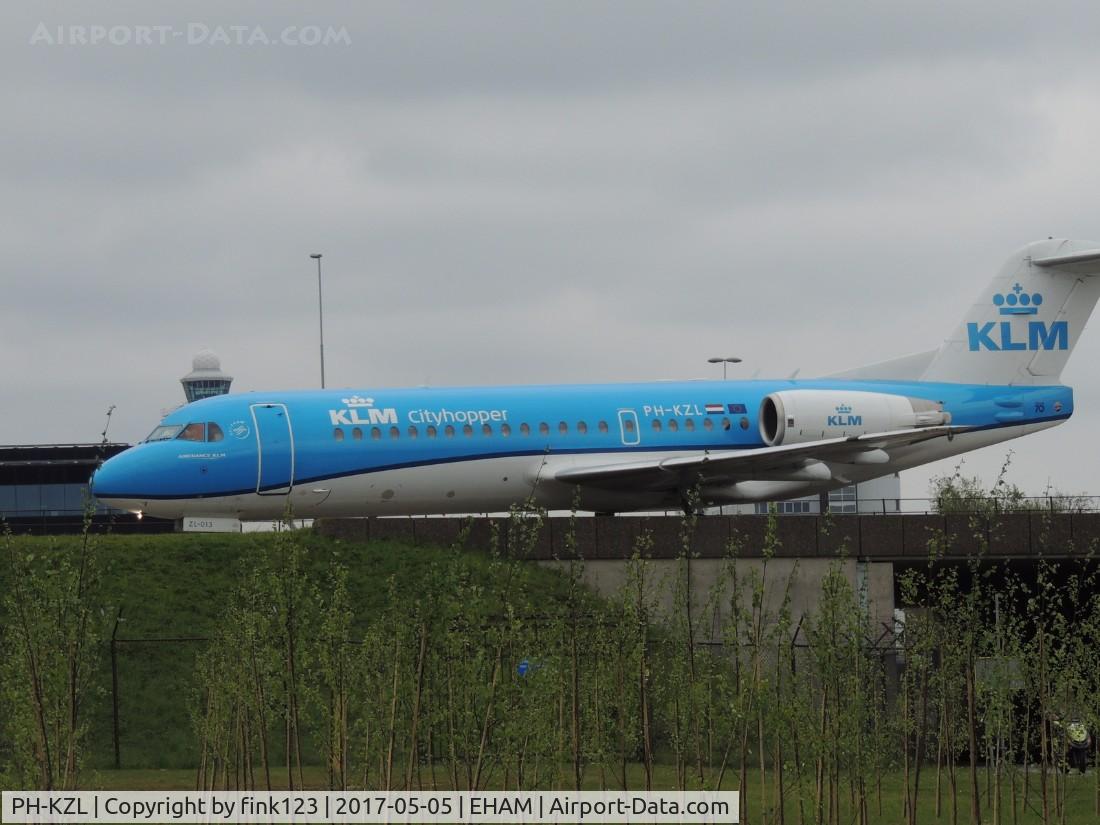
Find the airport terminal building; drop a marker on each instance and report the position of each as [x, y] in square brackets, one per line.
[44, 489]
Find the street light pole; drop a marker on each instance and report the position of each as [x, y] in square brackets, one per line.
[320, 316]
[733, 359]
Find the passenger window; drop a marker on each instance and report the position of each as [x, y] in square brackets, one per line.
[467, 430]
[505, 430]
[673, 426]
[563, 428]
[486, 429]
[628, 424]
[213, 432]
[413, 432]
[656, 425]
[357, 433]
[582, 428]
[744, 423]
[193, 432]
[395, 432]
[338, 434]
[725, 423]
[708, 424]
[602, 426]
[544, 428]
[524, 429]
[375, 434]
[449, 431]
[689, 424]
[430, 431]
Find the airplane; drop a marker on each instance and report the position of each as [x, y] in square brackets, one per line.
[613, 448]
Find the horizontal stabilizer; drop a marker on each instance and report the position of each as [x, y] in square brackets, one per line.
[1083, 263]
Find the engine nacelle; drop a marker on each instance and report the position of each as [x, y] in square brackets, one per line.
[795, 416]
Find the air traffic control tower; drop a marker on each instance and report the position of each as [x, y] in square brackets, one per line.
[206, 378]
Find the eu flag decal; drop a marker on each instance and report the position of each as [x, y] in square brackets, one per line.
[738, 409]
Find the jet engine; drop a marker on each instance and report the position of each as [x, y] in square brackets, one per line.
[796, 416]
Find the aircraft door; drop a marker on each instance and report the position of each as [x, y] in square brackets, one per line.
[628, 427]
[274, 449]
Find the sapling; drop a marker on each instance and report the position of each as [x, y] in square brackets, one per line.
[54, 620]
[334, 671]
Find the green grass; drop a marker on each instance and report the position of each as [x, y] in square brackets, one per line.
[175, 586]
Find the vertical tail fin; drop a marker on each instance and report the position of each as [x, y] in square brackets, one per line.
[1026, 322]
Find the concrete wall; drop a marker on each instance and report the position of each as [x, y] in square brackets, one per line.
[806, 548]
[866, 547]
[609, 577]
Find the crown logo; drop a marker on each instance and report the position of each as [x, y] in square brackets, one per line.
[357, 401]
[1018, 302]
[843, 409]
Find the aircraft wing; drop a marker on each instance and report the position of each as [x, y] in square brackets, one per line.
[793, 462]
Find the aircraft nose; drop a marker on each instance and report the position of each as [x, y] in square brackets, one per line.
[113, 480]
[101, 480]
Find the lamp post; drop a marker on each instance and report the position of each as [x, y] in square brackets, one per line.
[320, 316]
[724, 362]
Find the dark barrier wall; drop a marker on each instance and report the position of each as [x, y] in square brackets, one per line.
[873, 537]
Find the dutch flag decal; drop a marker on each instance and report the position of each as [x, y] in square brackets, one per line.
[715, 409]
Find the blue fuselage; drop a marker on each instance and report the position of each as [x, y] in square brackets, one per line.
[355, 451]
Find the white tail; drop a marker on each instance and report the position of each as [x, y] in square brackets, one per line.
[1025, 323]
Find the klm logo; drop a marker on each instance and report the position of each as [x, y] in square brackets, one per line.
[997, 336]
[357, 408]
[844, 418]
[1018, 302]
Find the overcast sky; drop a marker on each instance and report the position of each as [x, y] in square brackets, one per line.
[522, 192]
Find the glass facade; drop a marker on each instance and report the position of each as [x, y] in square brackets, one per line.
[843, 500]
[785, 507]
[197, 389]
[50, 480]
[879, 495]
[30, 500]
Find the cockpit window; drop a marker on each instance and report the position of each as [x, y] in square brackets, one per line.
[165, 432]
[193, 432]
[196, 431]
